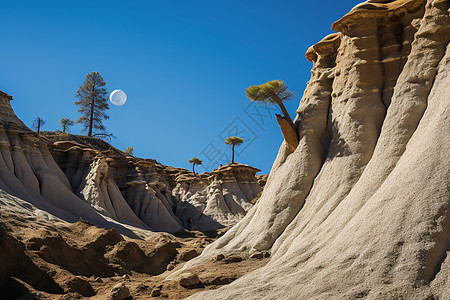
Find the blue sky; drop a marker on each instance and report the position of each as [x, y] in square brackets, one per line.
[183, 64]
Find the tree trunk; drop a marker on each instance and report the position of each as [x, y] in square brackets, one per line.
[232, 158]
[193, 169]
[39, 126]
[91, 120]
[285, 113]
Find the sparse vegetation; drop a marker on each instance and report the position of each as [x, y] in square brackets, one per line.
[66, 123]
[272, 92]
[195, 161]
[233, 141]
[37, 124]
[254, 200]
[129, 150]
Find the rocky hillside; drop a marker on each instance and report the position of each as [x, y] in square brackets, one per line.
[361, 208]
[164, 198]
[77, 216]
[139, 192]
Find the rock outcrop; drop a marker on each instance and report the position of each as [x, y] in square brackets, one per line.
[83, 177]
[121, 187]
[219, 200]
[361, 208]
[145, 193]
[29, 172]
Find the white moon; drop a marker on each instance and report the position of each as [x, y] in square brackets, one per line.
[118, 97]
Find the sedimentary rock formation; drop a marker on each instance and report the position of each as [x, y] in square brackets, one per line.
[163, 198]
[29, 172]
[87, 178]
[219, 200]
[362, 207]
[123, 188]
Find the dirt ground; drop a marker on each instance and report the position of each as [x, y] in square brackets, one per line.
[82, 261]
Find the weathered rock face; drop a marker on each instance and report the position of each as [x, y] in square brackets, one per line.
[123, 188]
[29, 172]
[86, 178]
[163, 198]
[219, 200]
[362, 207]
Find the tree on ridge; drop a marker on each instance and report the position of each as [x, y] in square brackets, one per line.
[195, 161]
[233, 141]
[272, 92]
[93, 103]
[37, 124]
[66, 123]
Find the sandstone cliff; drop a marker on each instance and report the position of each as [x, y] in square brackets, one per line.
[361, 208]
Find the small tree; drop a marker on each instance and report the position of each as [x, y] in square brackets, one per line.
[195, 161]
[37, 124]
[66, 123]
[93, 103]
[233, 141]
[272, 92]
[129, 150]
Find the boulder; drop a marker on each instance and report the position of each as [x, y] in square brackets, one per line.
[189, 280]
[119, 292]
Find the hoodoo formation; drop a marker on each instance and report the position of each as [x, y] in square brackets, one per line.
[360, 208]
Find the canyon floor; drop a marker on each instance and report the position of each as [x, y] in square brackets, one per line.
[81, 260]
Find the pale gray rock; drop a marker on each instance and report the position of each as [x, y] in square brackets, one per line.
[220, 200]
[362, 207]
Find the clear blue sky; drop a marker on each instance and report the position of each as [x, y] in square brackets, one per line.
[183, 64]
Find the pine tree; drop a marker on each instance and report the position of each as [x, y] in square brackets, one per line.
[66, 123]
[272, 92]
[233, 141]
[195, 161]
[93, 103]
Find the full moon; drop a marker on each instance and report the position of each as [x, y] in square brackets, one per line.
[118, 97]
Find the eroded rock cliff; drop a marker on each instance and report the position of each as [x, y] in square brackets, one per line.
[163, 198]
[77, 216]
[220, 199]
[87, 178]
[361, 208]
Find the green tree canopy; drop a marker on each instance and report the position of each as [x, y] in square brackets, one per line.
[93, 103]
[272, 92]
[233, 141]
[129, 150]
[66, 123]
[195, 161]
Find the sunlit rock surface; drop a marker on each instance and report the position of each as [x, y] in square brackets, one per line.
[362, 207]
[218, 200]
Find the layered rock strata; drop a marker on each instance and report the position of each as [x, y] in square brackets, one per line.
[87, 178]
[123, 188]
[29, 172]
[163, 198]
[361, 208]
[219, 200]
